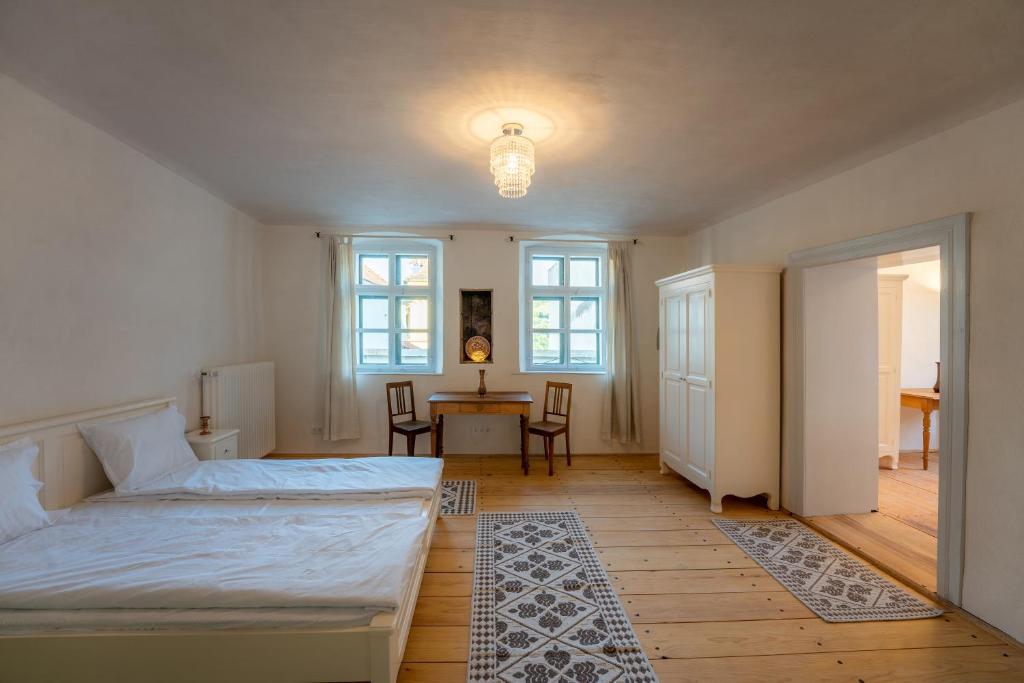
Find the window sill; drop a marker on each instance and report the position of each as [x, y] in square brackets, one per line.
[398, 371]
[560, 372]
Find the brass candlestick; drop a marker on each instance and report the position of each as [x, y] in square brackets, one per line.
[482, 389]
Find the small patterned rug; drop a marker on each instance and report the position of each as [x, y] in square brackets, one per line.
[831, 582]
[543, 608]
[458, 497]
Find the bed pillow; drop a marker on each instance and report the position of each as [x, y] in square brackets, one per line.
[20, 511]
[138, 450]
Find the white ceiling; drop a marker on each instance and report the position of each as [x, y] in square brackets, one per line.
[651, 117]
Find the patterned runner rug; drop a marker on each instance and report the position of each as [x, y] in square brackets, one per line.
[543, 608]
[831, 582]
[458, 497]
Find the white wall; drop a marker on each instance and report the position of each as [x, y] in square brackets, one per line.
[974, 167]
[118, 278]
[840, 390]
[477, 259]
[920, 346]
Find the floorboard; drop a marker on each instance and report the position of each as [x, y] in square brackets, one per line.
[910, 494]
[437, 644]
[804, 636]
[931, 664]
[432, 672]
[685, 607]
[443, 584]
[701, 608]
[693, 581]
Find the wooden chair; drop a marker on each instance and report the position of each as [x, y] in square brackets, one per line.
[400, 403]
[557, 403]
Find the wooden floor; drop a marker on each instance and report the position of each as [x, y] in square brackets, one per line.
[701, 608]
[910, 494]
[901, 536]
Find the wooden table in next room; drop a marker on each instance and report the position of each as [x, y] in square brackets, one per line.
[471, 403]
[926, 401]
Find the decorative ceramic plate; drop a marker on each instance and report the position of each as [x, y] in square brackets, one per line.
[478, 349]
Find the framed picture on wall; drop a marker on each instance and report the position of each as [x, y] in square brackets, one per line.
[475, 321]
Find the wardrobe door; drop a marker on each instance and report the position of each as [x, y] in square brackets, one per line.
[672, 376]
[699, 457]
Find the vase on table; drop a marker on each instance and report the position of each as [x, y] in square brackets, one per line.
[938, 374]
[482, 389]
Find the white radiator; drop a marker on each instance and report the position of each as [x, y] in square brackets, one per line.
[242, 397]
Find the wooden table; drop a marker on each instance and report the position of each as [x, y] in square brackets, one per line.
[471, 403]
[926, 401]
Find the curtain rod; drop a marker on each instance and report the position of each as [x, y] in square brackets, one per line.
[451, 238]
[512, 238]
[318, 234]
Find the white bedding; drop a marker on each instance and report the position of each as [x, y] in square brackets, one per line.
[219, 563]
[331, 478]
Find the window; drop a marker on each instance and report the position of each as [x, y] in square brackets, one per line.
[563, 307]
[398, 306]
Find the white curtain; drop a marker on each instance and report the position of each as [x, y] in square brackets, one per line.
[341, 409]
[620, 414]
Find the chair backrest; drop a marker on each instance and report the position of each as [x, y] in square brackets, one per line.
[400, 400]
[557, 400]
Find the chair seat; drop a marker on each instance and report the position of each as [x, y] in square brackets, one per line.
[547, 428]
[412, 426]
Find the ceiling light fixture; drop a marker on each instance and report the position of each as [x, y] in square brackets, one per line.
[512, 161]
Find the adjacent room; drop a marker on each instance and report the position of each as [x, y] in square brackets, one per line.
[444, 342]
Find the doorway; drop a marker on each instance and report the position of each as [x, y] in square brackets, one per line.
[891, 514]
[909, 343]
[836, 415]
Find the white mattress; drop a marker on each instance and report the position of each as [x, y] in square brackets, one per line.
[212, 564]
[25, 622]
[329, 478]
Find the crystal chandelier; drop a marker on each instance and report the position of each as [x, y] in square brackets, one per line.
[512, 161]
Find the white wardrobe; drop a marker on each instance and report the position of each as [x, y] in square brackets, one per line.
[890, 348]
[720, 384]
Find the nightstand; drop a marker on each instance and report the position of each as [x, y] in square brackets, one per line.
[219, 444]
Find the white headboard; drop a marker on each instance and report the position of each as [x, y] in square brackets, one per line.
[68, 469]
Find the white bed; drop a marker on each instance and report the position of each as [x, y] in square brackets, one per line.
[120, 589]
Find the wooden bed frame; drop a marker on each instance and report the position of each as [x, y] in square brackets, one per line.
[70, 472]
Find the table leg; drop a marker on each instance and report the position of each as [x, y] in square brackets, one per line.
[926, 431]
[524, 443]
[433, 431]
[440, 436]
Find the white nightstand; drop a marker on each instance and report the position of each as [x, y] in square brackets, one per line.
[219, 444]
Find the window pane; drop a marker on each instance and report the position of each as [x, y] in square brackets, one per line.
[547, 313]
[414, 271]
[413, 314]
[373, 348]
[547, 347]
[583, 313]
[373, 312]
[373, 270]
[583, 348]
[547, 271]
[583, 272]
[414, 348]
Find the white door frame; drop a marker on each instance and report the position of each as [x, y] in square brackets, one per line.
[951, 235]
